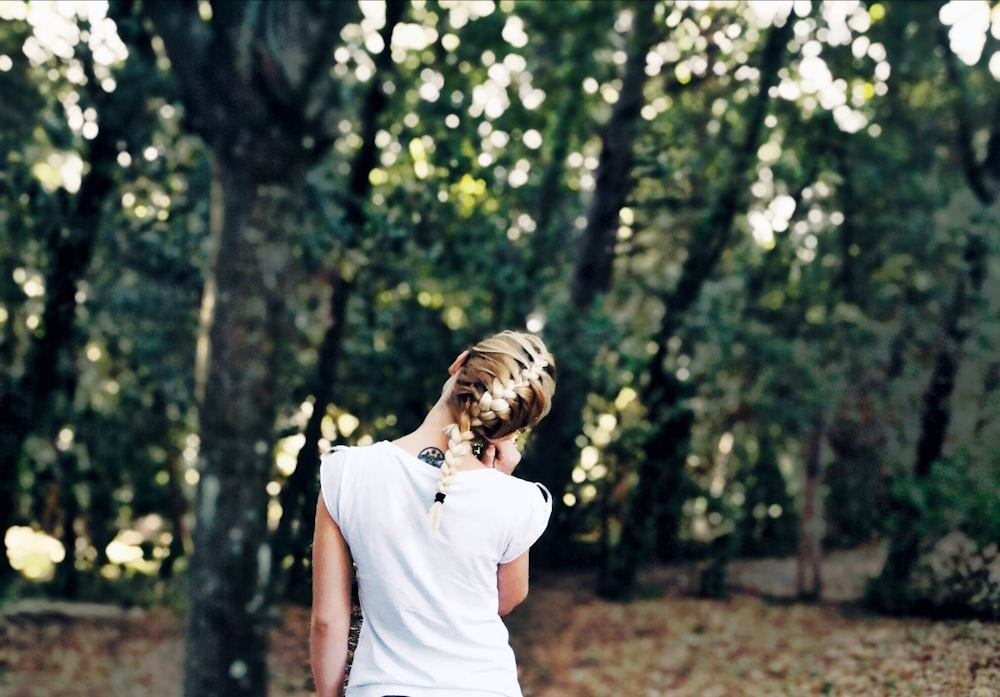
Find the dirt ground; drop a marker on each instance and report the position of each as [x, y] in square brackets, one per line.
[759, 643]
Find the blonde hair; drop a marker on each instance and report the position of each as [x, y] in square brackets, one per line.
[505, 385]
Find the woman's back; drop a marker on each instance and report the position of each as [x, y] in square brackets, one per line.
[434, 578]
[429, 597]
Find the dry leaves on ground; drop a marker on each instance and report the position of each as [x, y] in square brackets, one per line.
[750, 647]
[757, 644]
[569, 644]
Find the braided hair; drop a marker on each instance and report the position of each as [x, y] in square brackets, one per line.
[504, 386]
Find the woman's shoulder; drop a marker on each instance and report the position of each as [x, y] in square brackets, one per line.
[524, 489]
[350, 457]
[353, 452]
[527, 514]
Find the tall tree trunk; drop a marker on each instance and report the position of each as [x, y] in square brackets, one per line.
[66, 581]
[653, 503]
[936, 413]
[808, 567]
[657, 493]
[554, 450]
[230, 566]
[983, 178]
[49, 366]
[984, 181]
[592, 272]
[904, 545]
[294, 532]
[255, 81]
[180, 542]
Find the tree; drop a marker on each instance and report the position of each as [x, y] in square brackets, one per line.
[47, 381]
[255, 87]
[593, 267]
[301, 489]
[568, 167]
[661, 472]
[911, 529]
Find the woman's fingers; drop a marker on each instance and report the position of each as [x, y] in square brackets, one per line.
[507, 456]
[503, 456]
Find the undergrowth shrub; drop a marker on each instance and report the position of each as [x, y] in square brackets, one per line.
[943, 551]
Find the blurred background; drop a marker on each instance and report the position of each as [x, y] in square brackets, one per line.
[759, 237]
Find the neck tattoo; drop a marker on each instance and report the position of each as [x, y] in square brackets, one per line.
[432, 456]
[478, 446]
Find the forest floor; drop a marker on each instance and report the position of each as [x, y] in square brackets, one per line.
[758, 643]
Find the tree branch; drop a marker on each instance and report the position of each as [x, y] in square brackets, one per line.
[975, 172]
[716, 225]
[592, 275]
[266, 63]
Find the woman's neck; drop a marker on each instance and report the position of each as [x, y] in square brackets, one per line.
[429, 441]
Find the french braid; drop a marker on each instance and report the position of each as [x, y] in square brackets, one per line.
[505, 385]
[459, 445]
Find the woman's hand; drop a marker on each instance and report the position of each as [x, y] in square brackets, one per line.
[503, 456]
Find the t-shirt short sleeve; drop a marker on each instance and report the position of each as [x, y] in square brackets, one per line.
[536, 509]
[331, 476]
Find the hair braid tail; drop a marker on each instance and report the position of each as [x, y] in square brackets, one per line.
[459, 445]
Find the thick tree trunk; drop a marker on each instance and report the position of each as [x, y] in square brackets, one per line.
[256, 87]
[551, 245]
[936, 414]
[180, 542]
[983, 178]
[293, 537]
[592, 271]
[226, 646]
[652, 516]
[66, 581]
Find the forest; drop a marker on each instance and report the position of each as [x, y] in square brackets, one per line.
[760, 238]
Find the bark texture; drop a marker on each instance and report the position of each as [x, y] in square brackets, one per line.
[255, 84]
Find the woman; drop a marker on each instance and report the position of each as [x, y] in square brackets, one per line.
[434, 578]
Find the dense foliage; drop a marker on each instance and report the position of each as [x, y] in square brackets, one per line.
[743, 228]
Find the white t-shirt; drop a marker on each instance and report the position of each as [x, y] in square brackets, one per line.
[429, 598]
